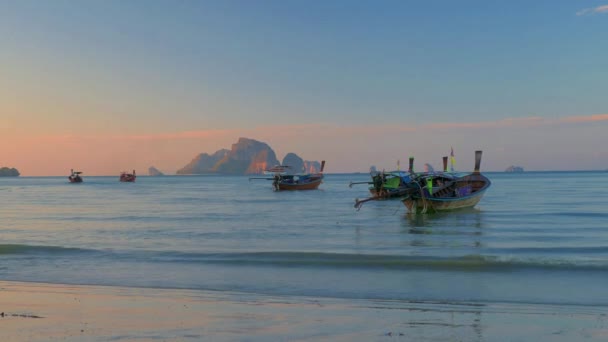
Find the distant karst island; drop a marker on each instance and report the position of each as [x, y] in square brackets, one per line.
[514, 168]
[247, 156]
[9, 172]
[152, 171]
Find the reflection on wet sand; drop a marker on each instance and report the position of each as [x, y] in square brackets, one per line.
[95, 313]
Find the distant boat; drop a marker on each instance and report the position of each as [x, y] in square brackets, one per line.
[75, 177]
[128, 177]
[282, 181]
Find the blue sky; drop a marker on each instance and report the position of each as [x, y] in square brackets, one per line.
[160, 67]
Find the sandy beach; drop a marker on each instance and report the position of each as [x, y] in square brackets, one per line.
[47, 312]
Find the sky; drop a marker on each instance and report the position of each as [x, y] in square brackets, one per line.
[106, 86]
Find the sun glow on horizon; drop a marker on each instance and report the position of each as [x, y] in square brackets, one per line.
[349, 148]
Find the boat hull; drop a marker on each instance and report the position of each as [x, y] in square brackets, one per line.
[418, 203]
[310, 185]
[128, 178]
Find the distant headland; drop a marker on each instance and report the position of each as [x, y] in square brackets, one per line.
[247, 156]
[9, 172]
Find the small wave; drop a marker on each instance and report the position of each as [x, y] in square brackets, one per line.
[125, 218]
[561, 250]
[338, 260]
[582, 214]
[30, 249]
[465, 263]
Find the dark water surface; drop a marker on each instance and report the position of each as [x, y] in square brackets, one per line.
[535, 238]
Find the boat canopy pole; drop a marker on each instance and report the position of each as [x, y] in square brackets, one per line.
[477, 161]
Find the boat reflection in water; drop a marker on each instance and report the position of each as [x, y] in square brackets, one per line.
[463, 228]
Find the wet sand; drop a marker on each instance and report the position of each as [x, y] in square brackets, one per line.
[47, 312]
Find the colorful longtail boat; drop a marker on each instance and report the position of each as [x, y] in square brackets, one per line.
[442, 191]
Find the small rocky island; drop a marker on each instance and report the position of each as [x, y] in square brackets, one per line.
[514, 168]
[9, 172]
[152, 171]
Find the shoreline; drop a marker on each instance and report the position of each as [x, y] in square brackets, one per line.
[42, 312]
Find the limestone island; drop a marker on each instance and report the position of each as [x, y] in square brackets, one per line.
[246, 157]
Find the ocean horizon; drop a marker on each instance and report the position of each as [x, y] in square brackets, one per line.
[325, 172]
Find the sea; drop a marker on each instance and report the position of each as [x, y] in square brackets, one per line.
[535, 238]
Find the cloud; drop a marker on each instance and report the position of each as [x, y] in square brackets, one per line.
[588, 118]
[508, 122]
[317, 130]
[593, 10]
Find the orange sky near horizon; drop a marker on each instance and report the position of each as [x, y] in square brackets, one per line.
[346, 148]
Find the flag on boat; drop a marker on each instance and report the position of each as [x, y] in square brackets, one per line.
[452, 159]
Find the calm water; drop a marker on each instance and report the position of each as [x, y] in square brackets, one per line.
[539, 238]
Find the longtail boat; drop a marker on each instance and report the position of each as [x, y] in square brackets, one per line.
[391, 184]
[443, 191]
[283, 181]
[127, 177]
[75, 177]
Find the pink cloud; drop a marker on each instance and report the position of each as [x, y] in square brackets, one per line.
[207, 134]
[317, 130]
[589, 118]
[593, 10]
[509, 122]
